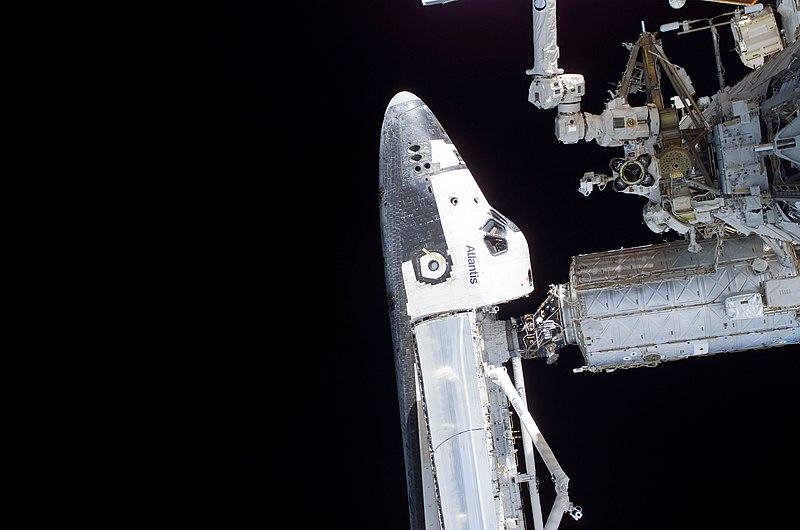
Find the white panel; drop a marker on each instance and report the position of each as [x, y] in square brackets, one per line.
[746, 305]
[659, 327]
[686, 291]
[628, 331]
[626, 300]
[451, 383]
[596, 303]
[656, 295]
[690, 322]
[783, 293]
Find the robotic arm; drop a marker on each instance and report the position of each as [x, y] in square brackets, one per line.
[545, 44]
[551, 87]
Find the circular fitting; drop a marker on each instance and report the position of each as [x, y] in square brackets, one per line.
[675, 162]
[632, 172]
[432, 265]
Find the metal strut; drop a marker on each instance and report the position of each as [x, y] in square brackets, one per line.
[561, 505]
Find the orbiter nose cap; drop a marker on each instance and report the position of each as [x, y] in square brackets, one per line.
[402, 97]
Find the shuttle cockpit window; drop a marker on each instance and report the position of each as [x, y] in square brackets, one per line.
[494, 237]
[493, 228]
[505, 221]
[496, 245]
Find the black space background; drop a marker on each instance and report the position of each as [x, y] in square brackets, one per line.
[198, 325]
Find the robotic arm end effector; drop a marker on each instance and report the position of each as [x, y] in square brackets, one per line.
[550, 91]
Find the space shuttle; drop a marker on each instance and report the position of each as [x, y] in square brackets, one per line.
[450, 258]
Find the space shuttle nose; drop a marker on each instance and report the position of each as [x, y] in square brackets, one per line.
[402, 97]
[445, 247]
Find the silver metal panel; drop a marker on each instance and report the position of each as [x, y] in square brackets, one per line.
[739, 166]
[625, 316]
[639, 265]
[684, 292]
[783, 293]
[453, 385]
[655, 296]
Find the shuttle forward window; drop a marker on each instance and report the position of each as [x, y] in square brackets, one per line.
[493, 228]
[494, 237]
[503, 220]
[496, 245]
